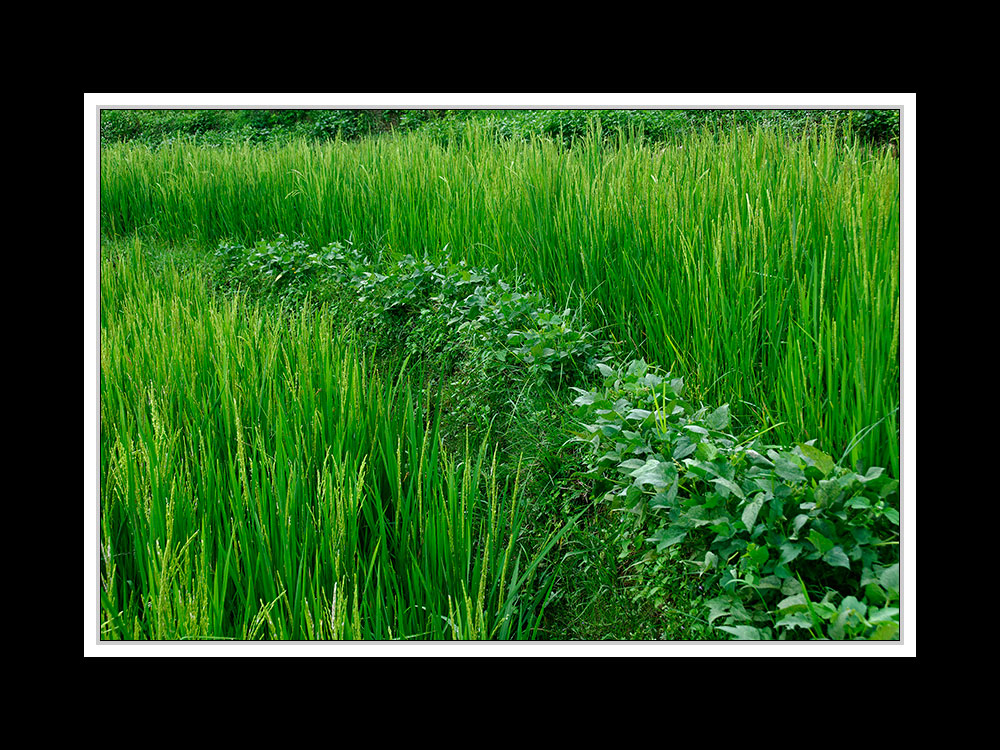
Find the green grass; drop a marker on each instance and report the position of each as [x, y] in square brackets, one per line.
[765, 269]
[277, 470]
[261, 479]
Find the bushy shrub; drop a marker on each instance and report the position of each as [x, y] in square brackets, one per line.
[876, 125]
[791, 543]
[564, 126]
[511, 323]
[133, 125]
[154, 126]
[280, 268]
[272, 118]
[351, 124]
[668, 125]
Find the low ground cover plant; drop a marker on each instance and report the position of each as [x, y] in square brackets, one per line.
[504, 321]
[792, 543]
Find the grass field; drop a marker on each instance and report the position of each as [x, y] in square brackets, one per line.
[765, 270]
[261, 477]
[272, 467]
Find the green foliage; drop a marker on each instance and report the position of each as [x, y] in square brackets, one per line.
[214, 127]
[764, 270]
[562, 126]
[435, 304]
[875, 125]
[280, 268]
[569, 126]
[758, 266]
[261, 479]
[765, 519]
[348, 124]
[266, 119]
[792, 544]
[155, 127]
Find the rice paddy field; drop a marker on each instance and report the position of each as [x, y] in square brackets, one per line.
[412, 388]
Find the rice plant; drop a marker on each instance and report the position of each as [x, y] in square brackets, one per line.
[765, 269]
[260, 479]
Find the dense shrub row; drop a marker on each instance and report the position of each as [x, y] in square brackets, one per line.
[567, 126]
[505, 321]
[791, 543]
[218, 126]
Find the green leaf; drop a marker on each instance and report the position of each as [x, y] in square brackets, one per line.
[743, 632]
[889, 578]
[793, 603]
[790, 587]
[812, 608]
[706, 451]
[891, 488]
[851, 604]
[837, 558]
[723, 528]
[823, 544]
[637, 367]
[701, 469]
[886, 614]
[788, 470]
[633, 495]
[685, 447]
[874, 594]
[610, 457]
[718, 419]
[699, 515]
[759, 556]
[605, 370]
[711, 561]
[726, 486]
[631, 464]
[859, 502]
[795, 620]
[718, 607]
[789, 551]
[798, 522]
[875, 477]
[651, 473]
[667, 537]
[770, 582]
[666, 499]
[817, 458]
[749, 515]
[886, 631]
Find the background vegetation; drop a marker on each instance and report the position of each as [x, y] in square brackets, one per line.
[763, 268]
[217, 126]
[511, 273]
